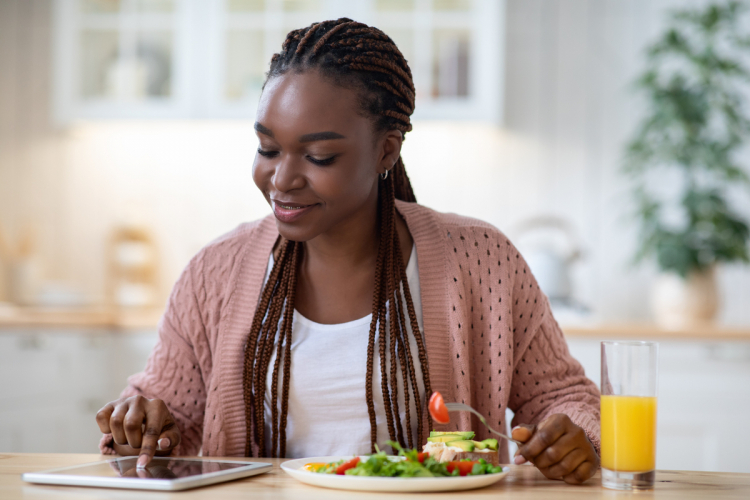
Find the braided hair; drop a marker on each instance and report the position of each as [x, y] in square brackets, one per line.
[355, 55]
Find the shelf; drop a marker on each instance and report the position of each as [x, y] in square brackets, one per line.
[646, 331]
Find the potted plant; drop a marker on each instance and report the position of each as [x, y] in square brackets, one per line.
[682, 160]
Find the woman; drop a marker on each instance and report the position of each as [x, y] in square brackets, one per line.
[324, 328]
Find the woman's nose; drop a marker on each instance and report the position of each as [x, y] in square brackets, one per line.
[287, 175]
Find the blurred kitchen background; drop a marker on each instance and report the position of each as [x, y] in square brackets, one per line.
[126, 144]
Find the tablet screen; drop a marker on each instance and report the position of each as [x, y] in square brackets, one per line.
[159, 468]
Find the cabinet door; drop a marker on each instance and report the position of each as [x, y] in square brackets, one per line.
[121, 59]
[56, 381]
[454, 49]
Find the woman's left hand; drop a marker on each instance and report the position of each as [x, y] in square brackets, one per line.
[558, 448]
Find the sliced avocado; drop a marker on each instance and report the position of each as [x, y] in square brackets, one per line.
[464, 444]
[479, 445]
[464, 435]
[490, 443]
[444, 438]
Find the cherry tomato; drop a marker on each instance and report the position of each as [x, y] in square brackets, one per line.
[341, 469]
[464, 468]
[422, 456]
[437, 408]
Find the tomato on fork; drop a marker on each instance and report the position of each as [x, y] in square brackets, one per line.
[438, 410]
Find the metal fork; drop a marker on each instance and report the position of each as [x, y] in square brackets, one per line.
[463, 407]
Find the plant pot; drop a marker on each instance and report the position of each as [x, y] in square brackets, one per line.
[682, 303]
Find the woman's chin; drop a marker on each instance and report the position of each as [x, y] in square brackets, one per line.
[295, 232]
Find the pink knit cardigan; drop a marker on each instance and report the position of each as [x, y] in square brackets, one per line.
[491, 339]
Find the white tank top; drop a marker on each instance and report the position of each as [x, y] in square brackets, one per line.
[327, 404]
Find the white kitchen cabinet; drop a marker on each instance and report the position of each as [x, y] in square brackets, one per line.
[55, 381]
[208, 58]
[704, 400]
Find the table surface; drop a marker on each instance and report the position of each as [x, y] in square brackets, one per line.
[523, 482]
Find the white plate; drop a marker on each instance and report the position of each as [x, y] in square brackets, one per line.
[400, 484]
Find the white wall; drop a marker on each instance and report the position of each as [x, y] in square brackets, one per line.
[568, 114]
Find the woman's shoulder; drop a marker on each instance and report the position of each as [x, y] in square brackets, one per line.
[450, 226]
[238, 237]
[220, 258]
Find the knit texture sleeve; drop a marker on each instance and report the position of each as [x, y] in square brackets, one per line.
[548, 380]
[173, 372]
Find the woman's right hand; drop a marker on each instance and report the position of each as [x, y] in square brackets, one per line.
[140, 426]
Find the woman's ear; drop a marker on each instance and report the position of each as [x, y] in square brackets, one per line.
[390, 150]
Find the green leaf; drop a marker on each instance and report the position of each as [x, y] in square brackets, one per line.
[696, 124]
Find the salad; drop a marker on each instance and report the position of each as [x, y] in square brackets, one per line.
[413, 464]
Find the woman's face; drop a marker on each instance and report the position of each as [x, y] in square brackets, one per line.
[319, 157]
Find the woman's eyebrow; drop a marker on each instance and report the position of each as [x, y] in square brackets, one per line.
[263, 130]
[320, 136]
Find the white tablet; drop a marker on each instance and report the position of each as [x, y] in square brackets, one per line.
[161, 474]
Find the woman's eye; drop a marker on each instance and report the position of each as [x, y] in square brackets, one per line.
[267, 154]
[322, 161]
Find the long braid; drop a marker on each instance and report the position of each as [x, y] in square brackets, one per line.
[392, 322]
[381, 321]
[377, 305]
[265, 350]
[351, 53]
[248, 382]
[288, 315]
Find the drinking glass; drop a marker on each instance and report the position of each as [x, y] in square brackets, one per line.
[628, 414]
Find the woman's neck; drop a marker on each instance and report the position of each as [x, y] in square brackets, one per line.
[337, 273]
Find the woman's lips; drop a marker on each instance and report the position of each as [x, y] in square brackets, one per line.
[290, 212]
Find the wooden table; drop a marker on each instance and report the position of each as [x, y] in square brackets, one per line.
[524, 482]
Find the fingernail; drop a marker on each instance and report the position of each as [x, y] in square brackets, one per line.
[142, 461]
[519, 460]
[163, 444]
[514, 428]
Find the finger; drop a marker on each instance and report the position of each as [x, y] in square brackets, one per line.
[169, 439]
[102, 418]
[547, 433]
[553, 454]
[568, 464]
[522, 432]
[156, 414]
[133, 423]
[584, 472]
[116, 423]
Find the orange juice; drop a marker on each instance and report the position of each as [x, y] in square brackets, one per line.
[628, 433]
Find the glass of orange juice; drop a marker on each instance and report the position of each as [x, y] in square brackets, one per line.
[628, 414]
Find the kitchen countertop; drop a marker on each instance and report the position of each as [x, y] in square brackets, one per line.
[523, 482]
[144, 319]
[647, 331]
[79, 317]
